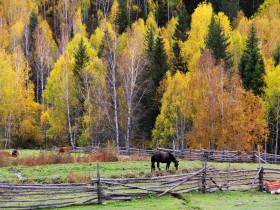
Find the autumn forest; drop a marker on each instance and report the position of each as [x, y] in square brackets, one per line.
[140, 73]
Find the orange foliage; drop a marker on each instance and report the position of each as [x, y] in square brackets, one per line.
[5, 153]
[226, 116]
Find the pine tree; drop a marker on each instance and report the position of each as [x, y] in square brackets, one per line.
[276, 55]
[251, 66]
[229, 7]
[218, 43]
[183, 24]
[81, 60]
[150, 40]
[180, 35]
[250, 7]
[122, 18]
[155, 72]
[33, 21]
[159, 65]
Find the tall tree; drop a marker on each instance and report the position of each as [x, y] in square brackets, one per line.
[171, 124]
[218, 43]
[81, 61]
[276, 55]
[250, 7]
[44, 57]
[156, 70]
[225, 115]
[111, 59]
[229, 7]
[251, 66]
[65, 92]
[134, 83]
[180, 36]
[272, 104]
[191, 49]
[122, 18]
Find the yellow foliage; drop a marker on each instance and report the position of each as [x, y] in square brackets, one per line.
[237, 47]
[191, 49]
[151, 22]
[152, 6]
[225, 115]
[78, 26]
[170, 29]
[114, 12]
[244, 26]
[96, 39]
[16, 32]
[225, 23]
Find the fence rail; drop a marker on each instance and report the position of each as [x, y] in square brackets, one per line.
[196, 154]
[99, 190]
[210, 155]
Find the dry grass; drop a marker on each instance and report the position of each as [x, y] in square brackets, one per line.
[102, 155]
[77, 178]
[133, 157]
[108, 154]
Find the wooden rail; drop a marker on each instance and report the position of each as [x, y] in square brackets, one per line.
[100, 190]
[196, 154]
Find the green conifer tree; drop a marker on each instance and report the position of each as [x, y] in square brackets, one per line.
[33, 21]
[180, 35]
[159, 65]
[122, 17]
[183, 24]
[81, 60]
[276, 55]
[155, 72]
[150, 40]
[251, 66]
[218, 43]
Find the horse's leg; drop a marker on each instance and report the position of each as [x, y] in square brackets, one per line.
[158, 165]
[153, 166]
[167, 166]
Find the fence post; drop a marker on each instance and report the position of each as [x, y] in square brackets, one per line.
[260, 187]
[254, 157]
[203, 178]
[99, 192]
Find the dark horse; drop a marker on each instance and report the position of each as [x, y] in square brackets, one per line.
[163, 157]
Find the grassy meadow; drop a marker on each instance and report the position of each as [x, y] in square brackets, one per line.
[126, 167]
[197, 201]
[129, 167]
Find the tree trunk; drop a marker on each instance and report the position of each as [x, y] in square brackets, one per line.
[128, 126]
[277, 127]
[68, 107]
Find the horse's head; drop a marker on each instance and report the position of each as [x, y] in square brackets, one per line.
[176, 164]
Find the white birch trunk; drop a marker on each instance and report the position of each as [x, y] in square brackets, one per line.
[68, 106]
[277, 127]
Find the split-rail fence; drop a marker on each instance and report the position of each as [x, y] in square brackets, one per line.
[103, 190]
[198, 154]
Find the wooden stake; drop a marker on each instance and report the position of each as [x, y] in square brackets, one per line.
[99, 193]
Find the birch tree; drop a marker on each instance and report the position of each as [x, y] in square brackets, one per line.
[132, 71]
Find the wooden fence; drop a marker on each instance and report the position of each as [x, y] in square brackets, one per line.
[210, 155]
[100, 190]
[198, 154]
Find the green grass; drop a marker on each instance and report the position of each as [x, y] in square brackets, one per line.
[57, 173]
[196, 200]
